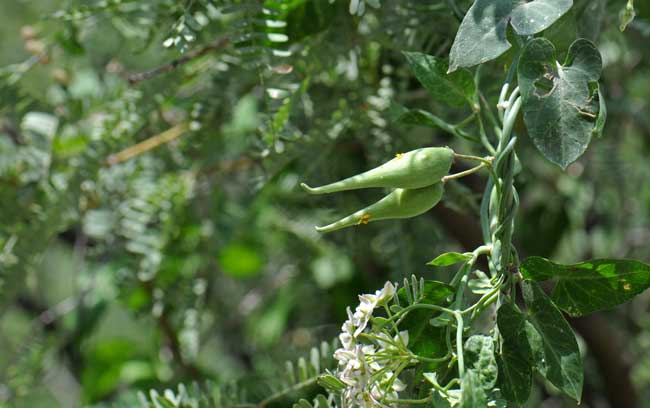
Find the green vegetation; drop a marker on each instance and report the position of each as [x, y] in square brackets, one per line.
[157, 249]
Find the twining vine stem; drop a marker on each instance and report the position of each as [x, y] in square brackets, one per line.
[498, 208]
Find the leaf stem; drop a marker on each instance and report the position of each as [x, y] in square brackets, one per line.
[463, 173]
[486, 160]
[465, 121]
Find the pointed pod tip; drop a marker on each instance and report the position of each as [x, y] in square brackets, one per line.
[307, 188]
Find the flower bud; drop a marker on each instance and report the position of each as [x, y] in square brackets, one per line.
[28, 32]
[34, 47]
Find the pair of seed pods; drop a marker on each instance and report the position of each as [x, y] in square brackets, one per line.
[415, 176]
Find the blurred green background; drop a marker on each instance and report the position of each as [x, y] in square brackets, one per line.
[197, 260]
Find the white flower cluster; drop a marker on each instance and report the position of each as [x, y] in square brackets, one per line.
[367, 370]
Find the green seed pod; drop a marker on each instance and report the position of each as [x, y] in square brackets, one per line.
[415, 169]
[401, 203]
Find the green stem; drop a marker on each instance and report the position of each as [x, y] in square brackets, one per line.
[459, 344]
[484, 138]
[465, 121]
[463, 173]
[450, 384]
[392, 322]
[493, 297]
[424, 306]
[505, 169]
[432, 360]
[485, 160]
[410, 401]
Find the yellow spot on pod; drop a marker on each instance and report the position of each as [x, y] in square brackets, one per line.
[365, 219]
[400, 203]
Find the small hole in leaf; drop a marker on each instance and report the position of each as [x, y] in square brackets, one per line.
[544, 85]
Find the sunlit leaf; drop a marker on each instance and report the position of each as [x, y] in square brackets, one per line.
[482, 36]
[590, 286]
[449, 258]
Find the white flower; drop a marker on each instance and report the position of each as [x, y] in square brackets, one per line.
[367, 305]
[363, 313]
[347, 332]
[359, 363]
[385, 294]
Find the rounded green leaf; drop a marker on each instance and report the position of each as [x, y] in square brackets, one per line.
[482, 37]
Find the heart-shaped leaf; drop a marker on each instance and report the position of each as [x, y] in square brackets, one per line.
[481, 36]
[560, 101]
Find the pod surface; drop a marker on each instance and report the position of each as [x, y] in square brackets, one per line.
[400, 203]
[411, 170]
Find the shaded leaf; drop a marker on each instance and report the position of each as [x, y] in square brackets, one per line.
[515, 362]
[589, 286]
[553, 345]
[590, 21]
[456, 88]
[434, 293]
[560, 102]
[424, 339]
[399, 114]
